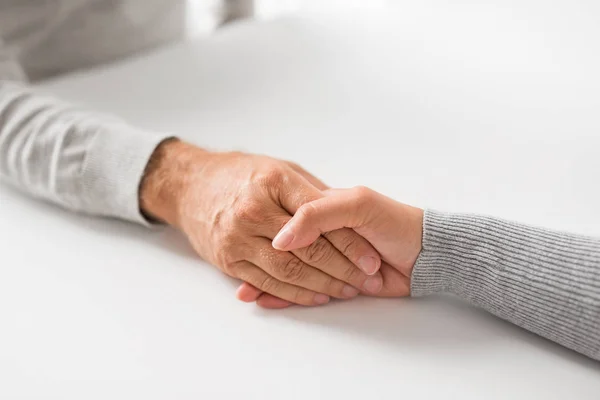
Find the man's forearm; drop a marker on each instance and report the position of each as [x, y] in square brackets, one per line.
[81, 160]
[545, 281]
[171, 165]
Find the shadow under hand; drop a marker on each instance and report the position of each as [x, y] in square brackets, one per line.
[158, 236]
[434, 325]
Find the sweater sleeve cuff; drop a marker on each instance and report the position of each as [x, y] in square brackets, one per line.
[542, 280]
[441, 266]
[114, 168]
[430, 273]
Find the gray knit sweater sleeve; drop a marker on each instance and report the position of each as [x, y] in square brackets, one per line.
[81, 160]
[545, 281]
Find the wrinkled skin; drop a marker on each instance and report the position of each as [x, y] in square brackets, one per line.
[231, 205]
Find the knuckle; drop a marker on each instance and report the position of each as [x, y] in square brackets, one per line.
[353, 275]
[248, 210]
[268, 284]
[230, 268]
[362, 194]
[247, 205]
[229, 248]
[274, 175]
[228, 242]
[344, 240]
[306, 211]
[332, 287]
[297, 296]
[319, 252]
[293, 270]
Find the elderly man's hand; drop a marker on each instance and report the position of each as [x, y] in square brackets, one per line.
[231, 206]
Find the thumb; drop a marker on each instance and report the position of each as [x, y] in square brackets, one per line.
[340, 208]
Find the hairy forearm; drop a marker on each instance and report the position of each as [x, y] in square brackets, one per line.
[161, 183]
[166, 179]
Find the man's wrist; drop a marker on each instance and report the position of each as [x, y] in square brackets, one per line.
[164, 179]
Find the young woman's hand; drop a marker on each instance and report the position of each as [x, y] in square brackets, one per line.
[394, 229]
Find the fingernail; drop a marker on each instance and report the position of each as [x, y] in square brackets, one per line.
[349, 291]
[369, 265]
[321, 298]
[373, 284]
[283, 238]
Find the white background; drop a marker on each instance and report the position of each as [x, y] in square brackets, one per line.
[485, 107]
[202, 14]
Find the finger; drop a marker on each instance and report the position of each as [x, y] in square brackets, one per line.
[324, 256]
[316, 182]
[349, 208]
[356, 248]
[289, 268]
[296, 191]
[271, 302]
[261, 280]
[395, 284]
[353, 246]
[249, 294]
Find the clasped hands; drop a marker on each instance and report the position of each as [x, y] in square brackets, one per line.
[280, 230]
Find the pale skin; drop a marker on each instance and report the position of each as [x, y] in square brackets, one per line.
[231, 205]
[393, 228]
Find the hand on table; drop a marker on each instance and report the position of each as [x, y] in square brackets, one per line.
[231, 206]
[394, 229]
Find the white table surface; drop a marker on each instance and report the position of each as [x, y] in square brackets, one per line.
[484, 108]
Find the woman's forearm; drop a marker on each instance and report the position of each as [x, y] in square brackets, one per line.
[542, 280]
[545, 281]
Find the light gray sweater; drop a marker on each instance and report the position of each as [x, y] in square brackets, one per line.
[542, 280]
[545, 281]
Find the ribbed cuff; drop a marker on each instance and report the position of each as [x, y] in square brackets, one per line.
[465, 254]
[545, 281]
[114, 168]
[432, 272]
